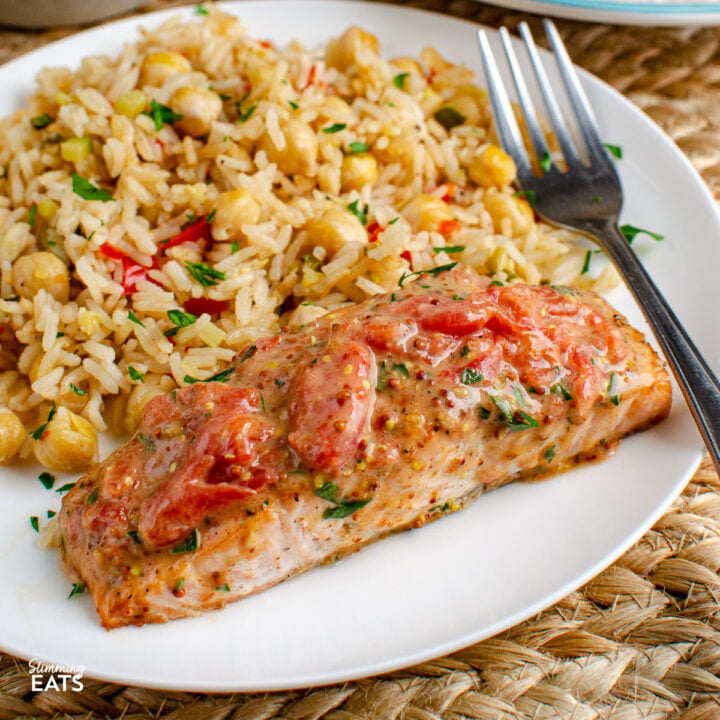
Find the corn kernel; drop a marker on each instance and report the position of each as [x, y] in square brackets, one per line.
[90, 322]
[47, 208]
[212, 335]
[131, 104]
[76, 149]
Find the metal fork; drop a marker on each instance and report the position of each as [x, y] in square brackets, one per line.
[586, 196]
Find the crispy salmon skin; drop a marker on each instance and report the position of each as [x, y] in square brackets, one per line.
[377, 418]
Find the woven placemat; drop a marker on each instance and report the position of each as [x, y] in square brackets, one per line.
[641, 640]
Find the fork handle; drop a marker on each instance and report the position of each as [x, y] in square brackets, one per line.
[697, 382]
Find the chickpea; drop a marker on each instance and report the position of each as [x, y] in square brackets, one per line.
[509, 213]
[234, 209]
[426, 212]
[299, 156]
[140, 396]
[492, 167]
[406, 65]
[344, 51]
[41, 271]
[336, 109]
[333, 229]
[472, 103]
[159, 66]
[12, 435]
[69, 443]
[199, 108]
[358, 170]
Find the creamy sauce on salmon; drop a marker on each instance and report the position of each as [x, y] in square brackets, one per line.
[377, 418]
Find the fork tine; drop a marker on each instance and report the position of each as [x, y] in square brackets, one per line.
[551, 104]
[506, 125]
[532, 123]
[578, 99]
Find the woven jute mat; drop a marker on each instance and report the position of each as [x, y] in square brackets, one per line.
[641, 640]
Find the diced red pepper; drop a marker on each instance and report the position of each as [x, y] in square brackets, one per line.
[448, 227]
[198, 306]
[134, 272]
[110, 251]
[266, 43]
[311, 76]
[405, 254]
[197, 230]
[449, 192]
[374, 231]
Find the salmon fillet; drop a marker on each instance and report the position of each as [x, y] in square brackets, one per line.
[377, 418]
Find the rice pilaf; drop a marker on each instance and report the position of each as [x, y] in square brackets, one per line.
[161, 209]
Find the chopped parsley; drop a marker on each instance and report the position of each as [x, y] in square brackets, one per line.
[586, 264]
[399, 80]
[615, 150]
[546, 162]
[222, 376]
[204, 274]
[189, 544]
[449, 117]
[223, 588]
[180, 318]
[135, 374]
[87, 191]
[469, 376]
[93, 496]
[134, 318]
[65, 488]
[341, 508]
[248, 353]
[358, 147]
[529, 195]
[161, 114]
[561, 390]
[41, 121]
[47, 479]
[247, 114]
[513, 419]
[40, 431]
[78, 588]
[384, 374]
[35, 523]
[432, 271]
[449, 249]
[613, 390]
[147, 441]
[337, 127]
[631, 231]
[359, 213]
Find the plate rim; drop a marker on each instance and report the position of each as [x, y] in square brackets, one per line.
[656, 13]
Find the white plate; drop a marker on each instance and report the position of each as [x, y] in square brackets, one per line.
[624, 12]
[428, 592]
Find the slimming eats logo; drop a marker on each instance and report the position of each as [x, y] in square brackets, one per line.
[55, 677]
